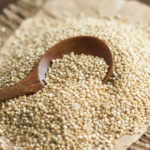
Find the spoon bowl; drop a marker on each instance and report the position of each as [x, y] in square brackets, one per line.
[79, 45]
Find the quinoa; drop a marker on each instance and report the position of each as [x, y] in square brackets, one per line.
[73, 68]
[74, 110]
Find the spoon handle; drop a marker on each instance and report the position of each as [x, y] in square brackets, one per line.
[29, 85]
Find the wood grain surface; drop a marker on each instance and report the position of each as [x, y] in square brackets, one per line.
[13, 12]
[5, 3]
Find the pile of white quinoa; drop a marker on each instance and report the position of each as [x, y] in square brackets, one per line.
[74, 110]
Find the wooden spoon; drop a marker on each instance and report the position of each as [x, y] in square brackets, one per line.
[34, 81]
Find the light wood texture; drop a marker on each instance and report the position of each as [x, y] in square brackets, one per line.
[14, 13]
[124, 142]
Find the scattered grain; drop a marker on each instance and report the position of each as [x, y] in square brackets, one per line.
[78, 112]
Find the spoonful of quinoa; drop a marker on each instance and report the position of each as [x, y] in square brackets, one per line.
[88, 49]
